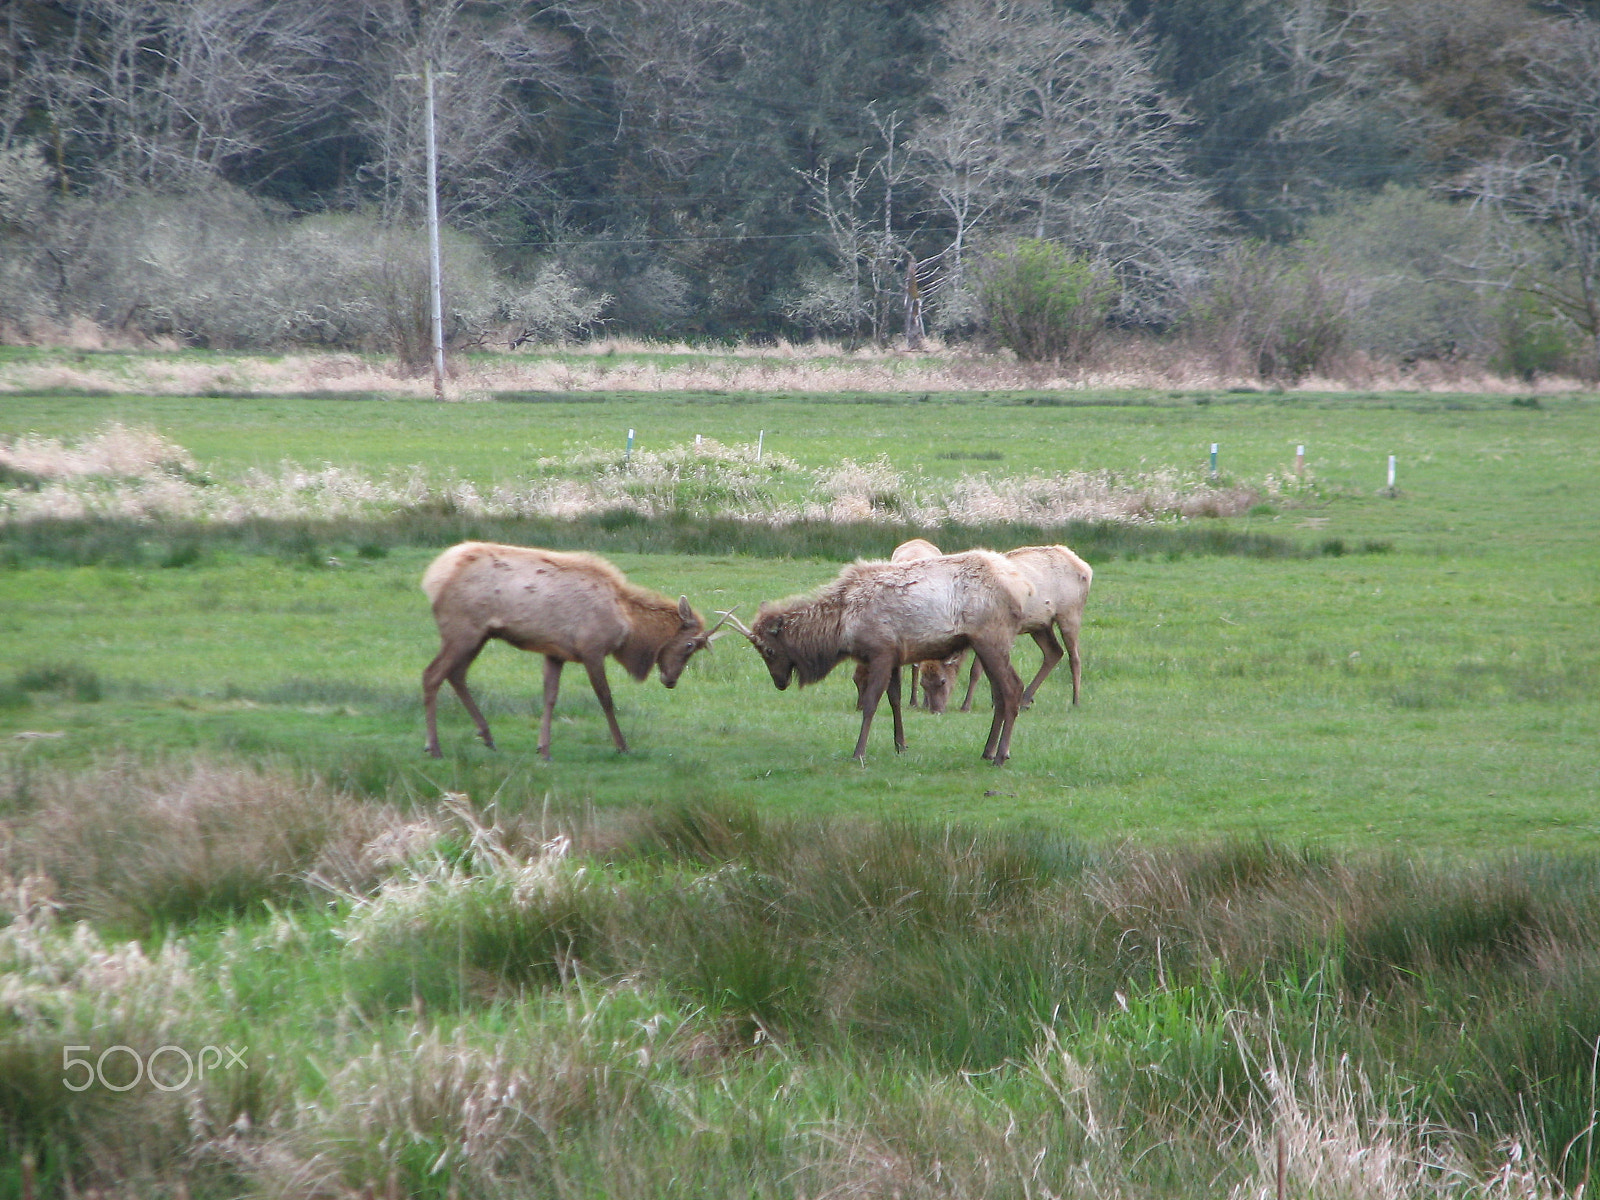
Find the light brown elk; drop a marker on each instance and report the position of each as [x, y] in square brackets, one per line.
[567, 607]
[936, 677]
[885, 614]
[1061, 581]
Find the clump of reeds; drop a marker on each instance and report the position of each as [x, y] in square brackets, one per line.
[116, 451]
[135, 845]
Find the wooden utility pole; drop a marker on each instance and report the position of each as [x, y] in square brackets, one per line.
[435, 279]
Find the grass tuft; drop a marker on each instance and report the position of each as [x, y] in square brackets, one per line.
[140, 847]
[70, 681]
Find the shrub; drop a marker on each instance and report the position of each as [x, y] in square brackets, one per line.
[1043, 302]
[1280, 313]
[551, 307]
[1412, 258]
[1533, 340]
[222, 269]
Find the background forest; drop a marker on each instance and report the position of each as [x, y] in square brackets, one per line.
[1291, 184]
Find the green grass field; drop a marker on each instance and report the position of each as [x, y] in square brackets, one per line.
[1441, 694]
[1303, 901]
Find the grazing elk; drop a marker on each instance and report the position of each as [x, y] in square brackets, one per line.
[885, 614]
[1062, 578]
[567, 607]
[936, 677]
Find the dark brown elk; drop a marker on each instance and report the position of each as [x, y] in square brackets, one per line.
[1060, 579]
[936, 677]
[886, 614]
[567, 607]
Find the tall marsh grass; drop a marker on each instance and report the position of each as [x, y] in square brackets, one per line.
[131, 498]
[697, 1001]
[136, 475]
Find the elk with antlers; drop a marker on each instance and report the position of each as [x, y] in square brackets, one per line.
[567, 607]
[886, 614]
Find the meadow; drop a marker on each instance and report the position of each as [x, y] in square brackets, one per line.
[1304, 897]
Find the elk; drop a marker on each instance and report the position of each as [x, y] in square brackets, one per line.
[936, 677]
[567, 607]
[1062, 578]
[886, 614]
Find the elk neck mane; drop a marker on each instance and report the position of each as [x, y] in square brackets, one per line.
[652, 619]
[812, 626]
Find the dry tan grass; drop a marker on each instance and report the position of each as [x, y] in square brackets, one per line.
[139, 475]
[613, 365]
[115, 452]
[133, 842]
[1327, 1136]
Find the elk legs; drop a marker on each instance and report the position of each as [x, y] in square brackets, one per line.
[552, 685]
[451, 663]
[883, 674]
[1045, 639]
[1006, 685]
[602, 692]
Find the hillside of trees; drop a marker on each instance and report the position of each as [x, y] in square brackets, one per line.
[1286, 180]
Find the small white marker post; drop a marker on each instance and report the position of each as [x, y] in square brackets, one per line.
[1391, 472]
[627, 454]
[1213, 460]
[697, 441]
[760, 437]
[1299, 460]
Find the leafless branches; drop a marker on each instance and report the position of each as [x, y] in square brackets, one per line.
[1550, 175]
[1053, 124]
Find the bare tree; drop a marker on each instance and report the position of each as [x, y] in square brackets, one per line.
[483, 59]
[1550, 174]
[875, 273]
[168, 92]
[666, 56]
[1053, 124]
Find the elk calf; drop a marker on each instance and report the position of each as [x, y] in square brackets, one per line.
[567, 607]
[886, 614]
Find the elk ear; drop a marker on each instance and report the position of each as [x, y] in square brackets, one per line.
[685, 613]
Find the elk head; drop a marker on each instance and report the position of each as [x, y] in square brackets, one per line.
[767, 638]
[691, 637]
[938, 680]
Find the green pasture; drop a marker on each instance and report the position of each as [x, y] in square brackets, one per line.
[1426, 675]
[1326, 819]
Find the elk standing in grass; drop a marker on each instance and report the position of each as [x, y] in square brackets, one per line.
[1061, 579]
[936, 677]
[567, 607]
[886, 614]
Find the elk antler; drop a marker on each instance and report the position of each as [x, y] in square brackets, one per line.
[737, 624]
[712, 634]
